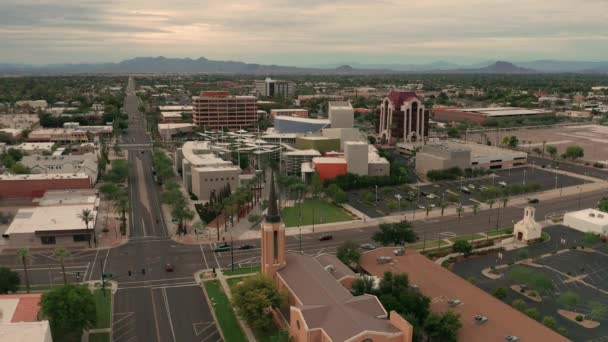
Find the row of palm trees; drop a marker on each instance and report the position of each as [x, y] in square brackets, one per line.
[25, 255]
[245, 197]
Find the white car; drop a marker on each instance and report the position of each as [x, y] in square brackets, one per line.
[431, 196]
[454, 302]
[421, 206]
[502, 183]
[471, 186]
[432, 205]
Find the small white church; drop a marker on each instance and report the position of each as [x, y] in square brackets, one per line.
[527, 230]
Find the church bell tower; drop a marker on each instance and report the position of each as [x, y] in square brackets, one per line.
[273, 236]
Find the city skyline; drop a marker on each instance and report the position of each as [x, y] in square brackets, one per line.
[307, 33]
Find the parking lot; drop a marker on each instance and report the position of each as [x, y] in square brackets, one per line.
[431, 195]
[561, 269]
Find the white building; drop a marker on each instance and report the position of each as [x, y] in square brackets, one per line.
[356, 154]
[340, 114]
[272, 88]
[587, 220]
[528, 230]
[84, 163]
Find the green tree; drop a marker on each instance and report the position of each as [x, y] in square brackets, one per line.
[532, 313]
[70, 309]
[253, 297]
[549, 322]
[552, 150]
[462, 246]
[363, 285]
[459, 210]
[475, 208]
[443, 326]
[395, 233]
[598, 310]
[281, 336]
[86, 216]
[24, 255]
[574, 152]
[442, 205]
[500, 293]
[568, 299]
[9, 280]
[20, 169]
[603, 204]
[315, 184]
[62, 253]
[519, 304]
[348, 252]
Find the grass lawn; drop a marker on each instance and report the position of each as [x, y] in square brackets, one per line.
[322, 211]
[467, 237]
[242, 270]
[428, 244]
[37, 288]
[103, 307]
[233, 281]
[99, 337]
[503, 231]
[224, 312]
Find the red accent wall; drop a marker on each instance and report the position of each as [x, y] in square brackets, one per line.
[329, 171]
[37, 187]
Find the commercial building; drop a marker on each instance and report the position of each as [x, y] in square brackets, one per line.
[319, 143]
[319, 306]
[588, 221]
[176, 109]
[35, 147]
[441, 285]
[170, 117]
[290, 124]
[340, 114]
[35, 185]
[295, 159]
[203, 173]
[168, 130]
[53, 225]
[69, 164]
[359, 158]
[298, 112]
[219, 109]
[72, 132]
[272, 88]
[403, 118]
[330, 167]
[19, 319]
[19, 121]
[481, 115]
[33, 104]
[355, 154]
[441, 155]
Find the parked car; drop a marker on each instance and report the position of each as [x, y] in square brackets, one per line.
[168, 267]
[368, 246]
[326, 237]
[431, 196]
[246, 246]
[423, 193]
[411, 194]
[454, 302]
[383, 259]
[480, 319]
[432, 205]
[471, 186]
[533, 200]
[511, 338]
[420, 206]
[503, 184]
[465, 190]
[399, 251]
[222, 248]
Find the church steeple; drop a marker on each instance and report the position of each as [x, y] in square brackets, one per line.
[273, 215]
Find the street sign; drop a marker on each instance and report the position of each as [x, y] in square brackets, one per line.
[106, 275]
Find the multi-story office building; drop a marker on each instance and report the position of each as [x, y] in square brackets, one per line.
[219, 109]
[403, 118]
[272, 88]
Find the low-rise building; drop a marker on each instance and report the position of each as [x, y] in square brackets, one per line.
[315, 142]
[340, 114]
[294, 160]
[168, 130]
[33, 104]
[36, 185]
[35, 147]
[290, 124]
[68, 164]
[481, 115]
[53, 225]
[19, 121]
[441, 155]
[298, 112]
[588, 221]
[203, 173]
[170, 117]
[19, 319]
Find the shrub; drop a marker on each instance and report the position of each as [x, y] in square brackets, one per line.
[500, 293]
[562, 331]
[579, 318]
[519, 304]
[532, 313]
[549, 322]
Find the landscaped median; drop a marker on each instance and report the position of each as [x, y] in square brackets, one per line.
[225, 315]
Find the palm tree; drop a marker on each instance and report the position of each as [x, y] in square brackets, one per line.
[504, 201]
[86, 215]
[442, 205]
[62, 253]
[428, 209]
[490, 202]
[475, 208]
[121, 205]
[24, 254]
[460, 210]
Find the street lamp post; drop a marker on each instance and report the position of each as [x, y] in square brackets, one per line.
[398, 197]
[524, 181]
[376, 195]
[555, 182]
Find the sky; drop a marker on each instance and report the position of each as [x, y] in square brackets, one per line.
[305, 32]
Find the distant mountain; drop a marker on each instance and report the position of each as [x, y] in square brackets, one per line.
[204, 65]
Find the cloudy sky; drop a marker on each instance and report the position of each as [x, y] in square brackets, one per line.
[304, 32]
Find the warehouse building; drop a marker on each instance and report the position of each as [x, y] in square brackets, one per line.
[481, 115]
[36, 185]
[441, 155]
[588, 221]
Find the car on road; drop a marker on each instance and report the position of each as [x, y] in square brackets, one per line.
[326, 237]
[503, 184]
[533, 200]
[168, 267]
[465, 190]
[420, 206]
[246, 246]
[222, 248]
[368, 246]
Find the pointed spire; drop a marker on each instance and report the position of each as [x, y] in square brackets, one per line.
[272, 216]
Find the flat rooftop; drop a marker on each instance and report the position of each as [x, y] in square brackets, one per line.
[171, 114]
[19, 307]
[25, 332]
[34, 146]
[477, 150]
[441, 284]
[50, 218]
[340, 105]
[329, 160]
[43, 176]
[289, 110]
[305, 120]
[503, 111]
[175, 108]
[302, 153]
[590, 215]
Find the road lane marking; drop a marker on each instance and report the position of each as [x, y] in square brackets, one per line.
[204, 257]
[215, 256]
[155, 317]
[199, 331]
[158, 286]
[164, 291]
[105, 261]
[126, 315]
[152, 281]
[206, 338]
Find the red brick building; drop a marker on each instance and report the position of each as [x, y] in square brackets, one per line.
[403, 118]
[35, 185]
[218, 109]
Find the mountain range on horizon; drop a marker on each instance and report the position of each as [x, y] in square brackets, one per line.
[203, 65]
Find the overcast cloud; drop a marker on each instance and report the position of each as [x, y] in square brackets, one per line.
[305, 32]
